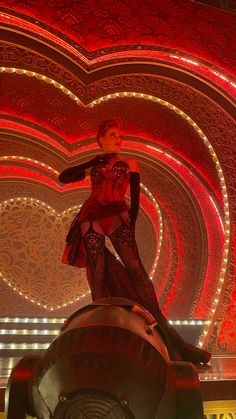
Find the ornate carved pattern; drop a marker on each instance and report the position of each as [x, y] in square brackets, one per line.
[223, 336]
[185, 253]
[26, 147]
[32, 244]
[168, 262]
[23, 58]
[13, 304]
[107, 23]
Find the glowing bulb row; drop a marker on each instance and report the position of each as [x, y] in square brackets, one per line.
[23, 346]
[60, 320]
[211, 377]
[189, 322]
[20, 158]
[38, 201]
[32, 300]
[40, 320]
[28, 332]
[46, 79]
[49, 332]
[160, 223]
[226, 228]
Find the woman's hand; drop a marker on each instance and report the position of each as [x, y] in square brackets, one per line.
[102, 159]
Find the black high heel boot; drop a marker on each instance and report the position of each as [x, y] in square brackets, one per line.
[178, 349]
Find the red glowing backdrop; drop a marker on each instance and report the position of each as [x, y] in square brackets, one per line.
[166, 70]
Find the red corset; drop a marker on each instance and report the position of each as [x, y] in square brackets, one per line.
[109, 184]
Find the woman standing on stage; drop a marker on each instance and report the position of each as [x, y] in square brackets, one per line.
[105, 213]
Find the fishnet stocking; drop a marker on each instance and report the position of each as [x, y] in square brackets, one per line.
[95, 245]
[124, 243]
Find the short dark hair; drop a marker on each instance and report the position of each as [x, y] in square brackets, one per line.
[106, 124]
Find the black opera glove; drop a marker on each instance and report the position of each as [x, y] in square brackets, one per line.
[77, 173]
[134, 197]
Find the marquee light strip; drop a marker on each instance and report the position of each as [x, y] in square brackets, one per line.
[23, 346]
[37, 333]
[46, 79]
[27, 159]
[34, 332]
[189, 120]
[61, 320]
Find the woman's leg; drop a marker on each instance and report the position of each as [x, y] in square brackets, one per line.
[124, 243]
[94, 240]
[123, 240]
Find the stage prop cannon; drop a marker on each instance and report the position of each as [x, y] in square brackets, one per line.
[108, 361]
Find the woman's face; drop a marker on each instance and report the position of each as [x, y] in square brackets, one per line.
[111, 140]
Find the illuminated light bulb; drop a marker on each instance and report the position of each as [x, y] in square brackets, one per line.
[8, 70]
